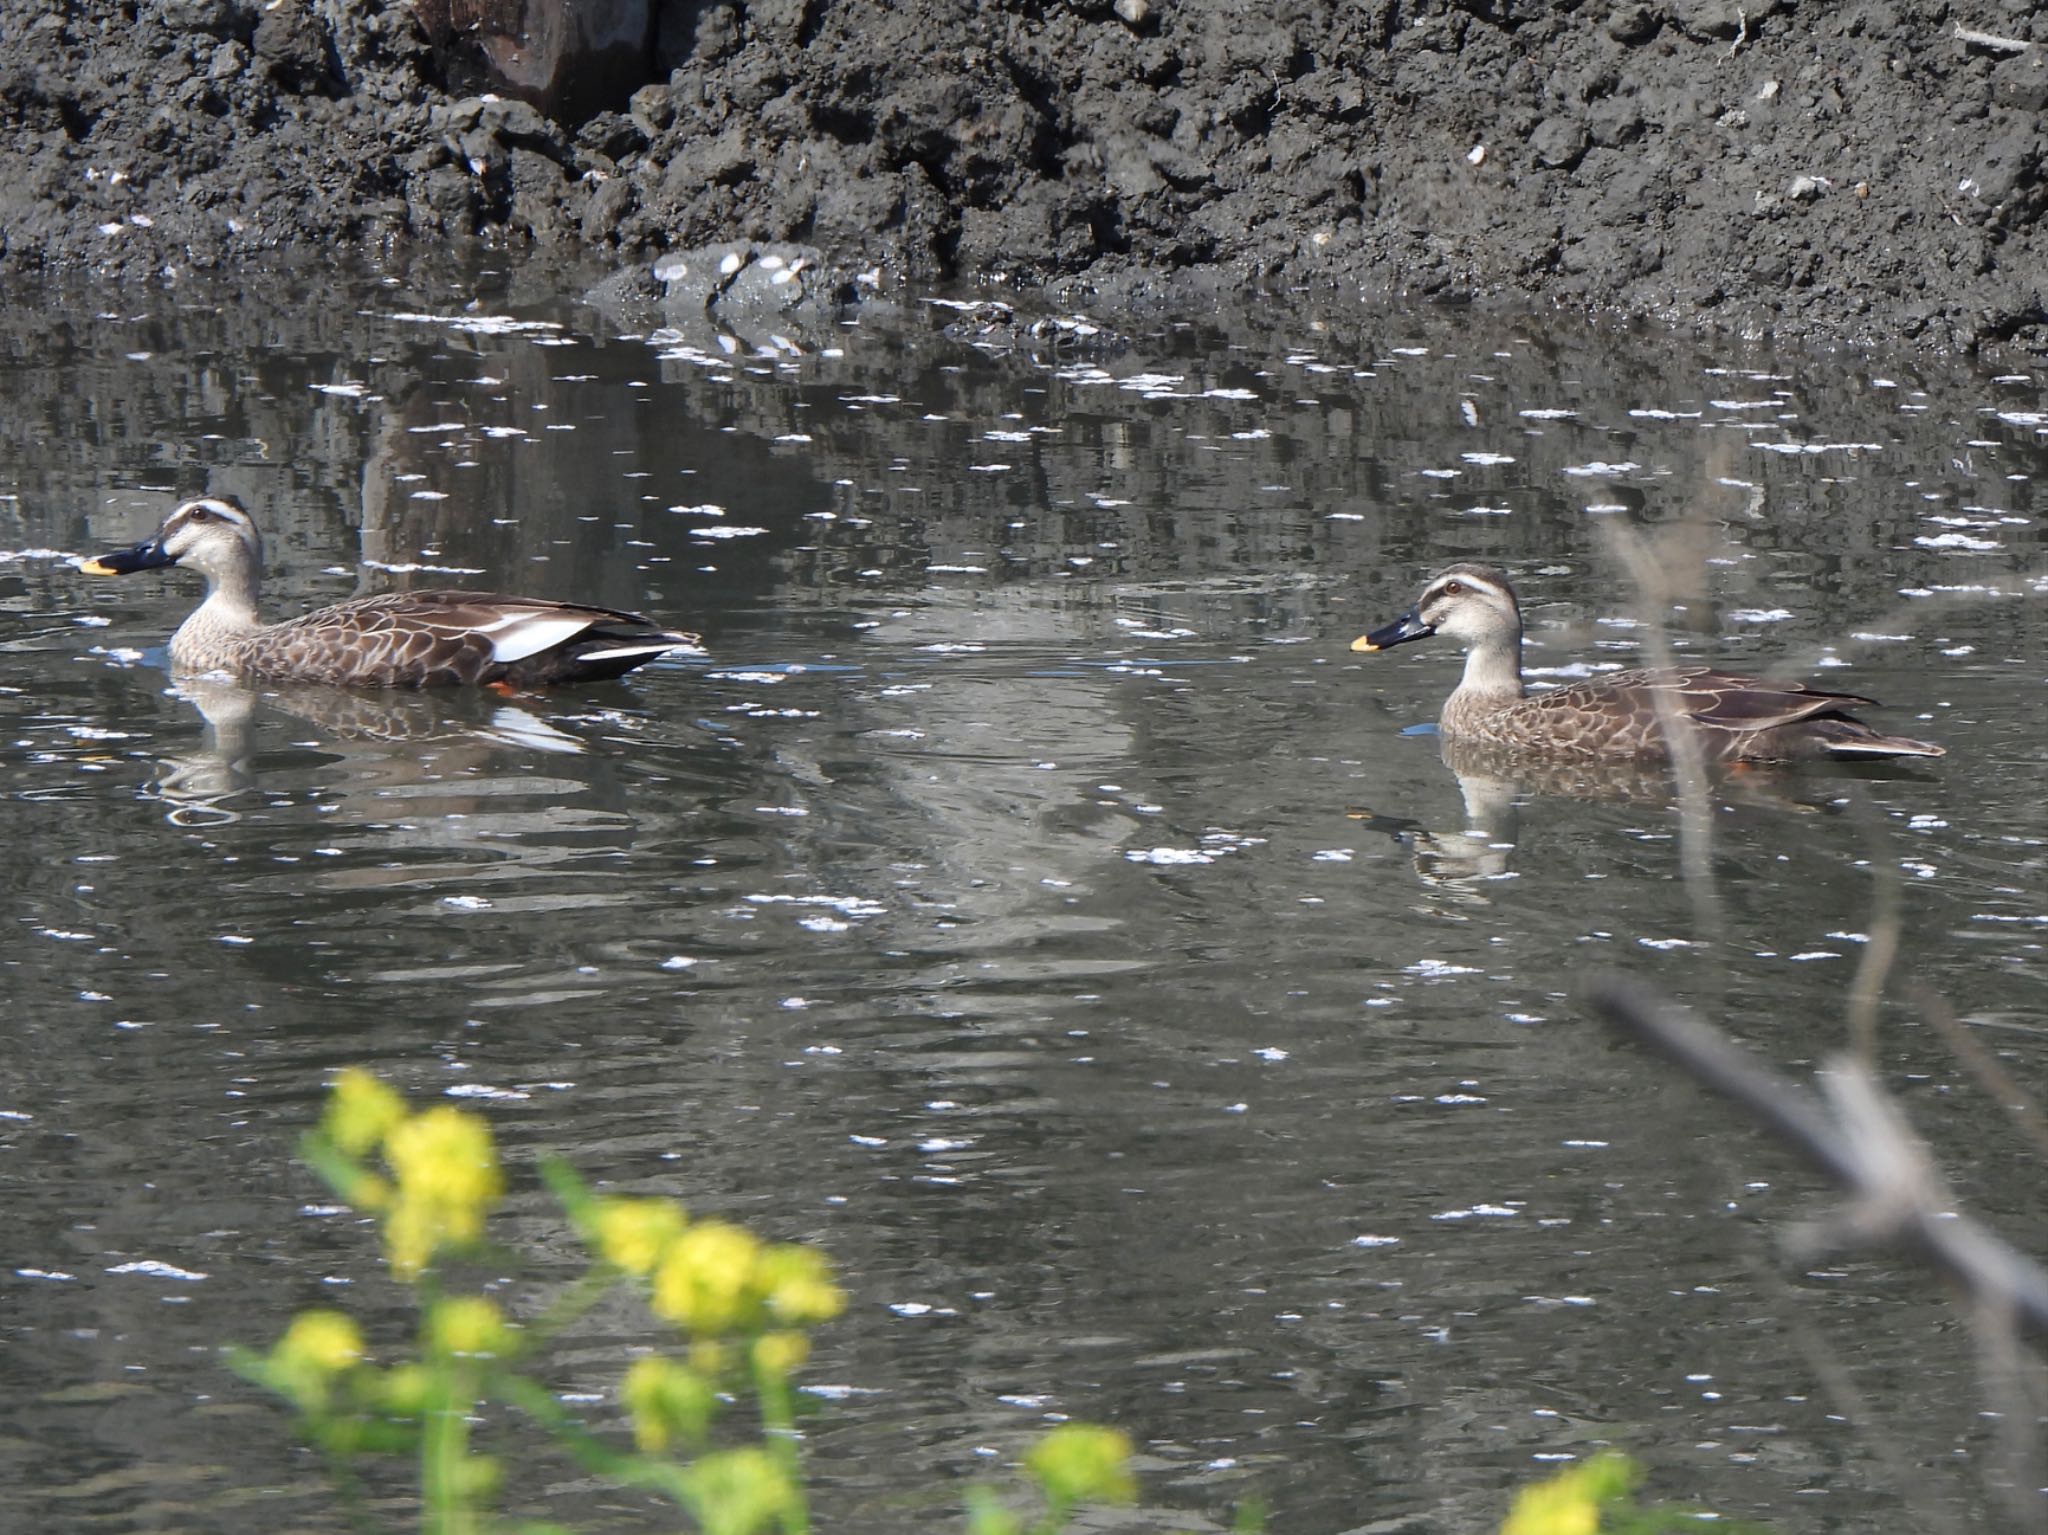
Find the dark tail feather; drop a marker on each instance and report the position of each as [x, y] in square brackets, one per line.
[599, 657]
[1885, 746]
[1852, 740]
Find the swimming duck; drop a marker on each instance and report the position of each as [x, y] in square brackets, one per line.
[404, 639]
[1734, 719]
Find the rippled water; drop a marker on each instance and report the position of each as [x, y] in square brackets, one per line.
[1033, 899]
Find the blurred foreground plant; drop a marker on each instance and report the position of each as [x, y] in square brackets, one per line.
[741, 1310]
[1600, 1495]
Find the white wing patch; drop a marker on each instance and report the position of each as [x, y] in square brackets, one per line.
[519, 635]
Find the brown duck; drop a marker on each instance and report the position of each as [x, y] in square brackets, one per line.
[1734, 719]
[405, 639]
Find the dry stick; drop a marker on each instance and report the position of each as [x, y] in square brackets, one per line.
[1688, 762]
[1971, 38]
[2012, 1380]
[1993, 1078]
[1868, 1149]
[1881, 947]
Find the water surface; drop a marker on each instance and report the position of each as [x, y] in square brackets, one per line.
[1032, 899]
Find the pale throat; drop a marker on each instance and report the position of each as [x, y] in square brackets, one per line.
[1493, 668]
[230, 599]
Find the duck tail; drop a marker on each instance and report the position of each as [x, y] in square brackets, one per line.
[613, 656]
[1873, 745]
[635, 651]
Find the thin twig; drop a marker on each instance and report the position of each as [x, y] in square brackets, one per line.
[1971, 38]
[1881, 946]
[1688, 761]
[1994, 1079]
[2012, 1380]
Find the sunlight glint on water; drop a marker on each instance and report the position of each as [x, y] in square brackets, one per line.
[1032, 899]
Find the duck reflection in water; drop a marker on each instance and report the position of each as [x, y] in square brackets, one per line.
[200, 785]
[1494, 784]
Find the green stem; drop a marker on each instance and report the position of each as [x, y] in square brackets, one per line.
[571, 1304]
[449, 1505]
[540, 1404]
[778, 1423]
[341, 1471]
[1057, 1512]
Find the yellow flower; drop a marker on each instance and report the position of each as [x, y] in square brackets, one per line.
[1548, 1509]
[1083, 1462]
[448, 1178]
[740, 1492]
[632, 1234]
[403, 1390]
[704, 1279]
[781, 1354]
[798, 1285]
[1570, 1502]
[468, 1324]
[411, 1233]
[445, 1157]
[665, 1399]
[709, 1358]
[368, 1192]
[361, 1111]
[325, 1342]
[315, 1350]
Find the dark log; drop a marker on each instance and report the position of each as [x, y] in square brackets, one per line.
[569, 58]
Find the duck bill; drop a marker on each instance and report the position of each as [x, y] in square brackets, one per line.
[1409, 626]
[147, 555]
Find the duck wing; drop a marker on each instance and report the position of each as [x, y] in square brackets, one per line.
[1739, 717]
[1731, 702]
[437, 637]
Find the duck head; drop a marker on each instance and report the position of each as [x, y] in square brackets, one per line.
[1471, 603]
[212, 535]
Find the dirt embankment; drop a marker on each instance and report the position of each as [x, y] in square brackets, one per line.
[1860, 171]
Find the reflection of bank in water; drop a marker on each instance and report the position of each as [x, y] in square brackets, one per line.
[463, 728]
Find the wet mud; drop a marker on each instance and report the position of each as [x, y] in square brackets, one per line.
[1859, 172]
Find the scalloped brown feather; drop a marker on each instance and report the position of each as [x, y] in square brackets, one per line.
[1732, 718]
[428, 639]
[404, 639]
[1736, 719]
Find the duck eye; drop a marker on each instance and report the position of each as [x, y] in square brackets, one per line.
[200, 514]
[1452, 588]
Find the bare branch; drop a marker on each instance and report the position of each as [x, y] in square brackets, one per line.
[1868, 1149]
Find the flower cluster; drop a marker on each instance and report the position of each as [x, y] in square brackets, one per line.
[711, 1278]
[719, 1284]
[741, 1307]
[317, 1350]
[444, 1175]
[1570, 1503]
[1083, 1463]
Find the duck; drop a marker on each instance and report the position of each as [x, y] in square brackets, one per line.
[402, 639]
[1733, 719]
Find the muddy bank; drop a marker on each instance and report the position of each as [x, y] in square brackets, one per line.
[1856, 171]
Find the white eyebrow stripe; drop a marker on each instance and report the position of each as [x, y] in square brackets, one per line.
[1471, 583]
